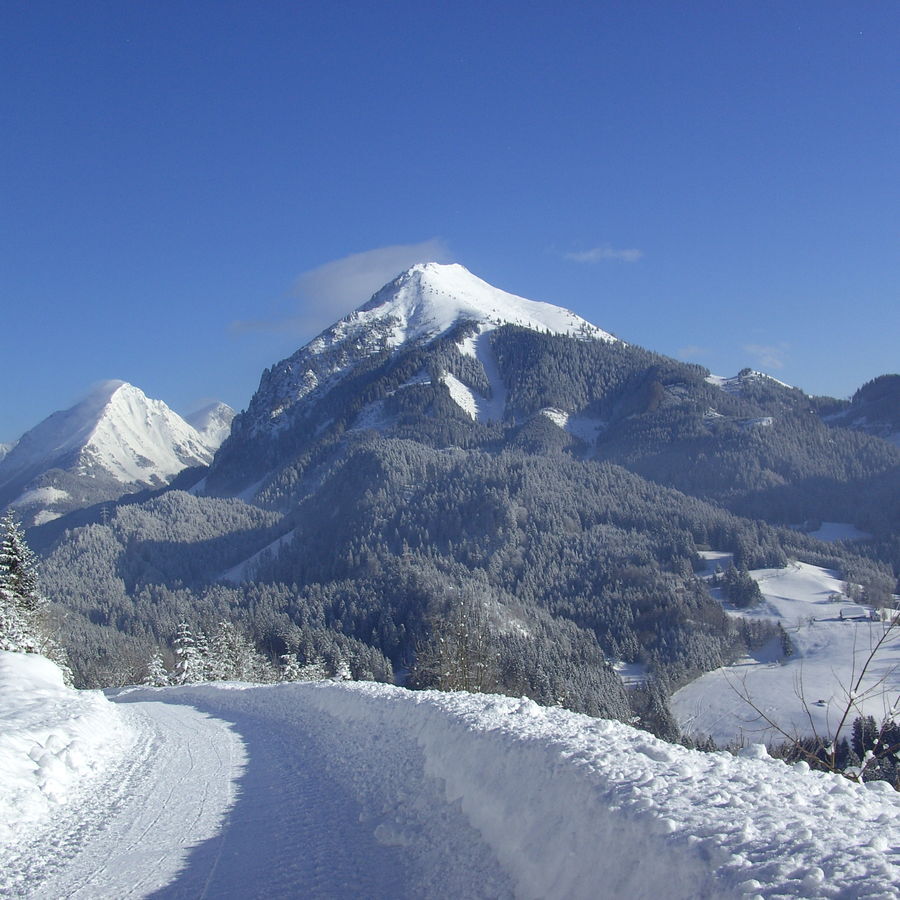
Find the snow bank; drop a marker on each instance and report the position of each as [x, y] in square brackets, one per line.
[53, 740]
[573, 805]
[576, 807]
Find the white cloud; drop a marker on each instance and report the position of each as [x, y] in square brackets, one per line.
[692, 351]
[604, 253]
[769, 356]
[330, 291]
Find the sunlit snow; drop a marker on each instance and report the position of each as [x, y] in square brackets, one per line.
[832, 638]
[364, 790]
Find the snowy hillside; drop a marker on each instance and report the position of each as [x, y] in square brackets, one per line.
[421, 304]
[874, 409]
[831, 637]
[115, 436]
[362, 790]
[737, 383]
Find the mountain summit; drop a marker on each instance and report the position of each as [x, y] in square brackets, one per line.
[424, 304]
[429, 299]
[114, 441]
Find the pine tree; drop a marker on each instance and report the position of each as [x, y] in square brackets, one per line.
[21, 601]
[290, 668]
[15, 633]
[234, 654]
[342, 670]
[206, 664]
[156, 676]
[18, 567]
[188, 665]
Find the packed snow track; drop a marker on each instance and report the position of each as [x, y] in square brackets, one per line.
[361, 790]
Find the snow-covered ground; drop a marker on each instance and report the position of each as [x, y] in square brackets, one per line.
[831, 636]
[838, 531]
[362, 790]
[55, 743]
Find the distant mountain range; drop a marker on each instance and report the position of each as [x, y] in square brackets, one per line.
[115, 441]
[452, 461]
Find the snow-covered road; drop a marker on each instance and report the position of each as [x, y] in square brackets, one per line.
[363, 790]
[223, 798]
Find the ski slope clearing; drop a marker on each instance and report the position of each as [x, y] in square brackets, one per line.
[807, 691]
[363, 790]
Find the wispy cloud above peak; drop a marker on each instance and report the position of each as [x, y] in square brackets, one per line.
[328, 292]
[605, 253]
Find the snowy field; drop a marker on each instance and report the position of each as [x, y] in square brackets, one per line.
[809, 690]
[838, 531]
[362, 790]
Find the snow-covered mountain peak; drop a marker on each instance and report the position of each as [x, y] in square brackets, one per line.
[115, 437]
[141, 440]
[213, 423]
[418, 306]
[430, 298]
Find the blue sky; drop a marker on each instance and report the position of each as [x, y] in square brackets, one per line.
[191, 190]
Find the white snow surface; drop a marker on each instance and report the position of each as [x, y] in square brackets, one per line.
[462, 395]
[734, 383]
[54, 744]
[478, 345]
[361, 790]
[838, 531]
[41, 495]
[809, 690]
[212, 423]
[430, 298]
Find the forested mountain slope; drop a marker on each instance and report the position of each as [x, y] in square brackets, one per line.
[454, 467]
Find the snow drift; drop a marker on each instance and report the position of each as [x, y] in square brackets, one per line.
[53, 742]
[580, 807]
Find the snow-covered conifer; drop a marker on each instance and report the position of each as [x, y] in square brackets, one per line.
[290, 668]
[342, 670]
[206, 668]
[188, 665]
[21, 601]
[156, 676]
[18, 567]
[15, 633]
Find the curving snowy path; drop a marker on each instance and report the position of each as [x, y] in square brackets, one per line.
[361, 790]
[221, 797]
